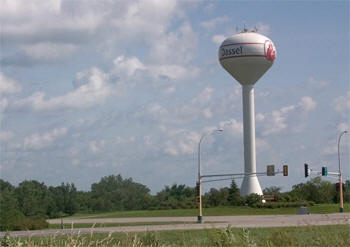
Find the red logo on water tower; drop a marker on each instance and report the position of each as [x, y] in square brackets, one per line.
[270, 51]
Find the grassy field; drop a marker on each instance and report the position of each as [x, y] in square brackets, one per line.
[220, 211]
[282, 236]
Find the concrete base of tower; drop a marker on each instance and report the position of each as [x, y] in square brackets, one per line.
[250, 185]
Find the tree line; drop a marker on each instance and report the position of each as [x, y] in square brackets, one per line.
[27, 205]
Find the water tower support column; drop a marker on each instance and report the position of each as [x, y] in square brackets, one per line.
[250, 182]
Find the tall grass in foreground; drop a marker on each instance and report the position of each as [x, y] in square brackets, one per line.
[227, 237]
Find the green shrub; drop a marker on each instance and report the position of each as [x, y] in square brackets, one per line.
[282, 204]
[253, 199]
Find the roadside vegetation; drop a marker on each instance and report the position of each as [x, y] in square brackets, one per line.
[28, 205]
[227, 237]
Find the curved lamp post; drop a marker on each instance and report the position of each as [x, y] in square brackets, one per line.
[199, 188]
[341, 203]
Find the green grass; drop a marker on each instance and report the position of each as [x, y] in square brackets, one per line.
[276, 236]
[219, 211]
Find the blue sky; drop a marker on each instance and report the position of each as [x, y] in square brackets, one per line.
[94, 88]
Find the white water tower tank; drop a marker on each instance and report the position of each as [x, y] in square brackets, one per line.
[247, 56]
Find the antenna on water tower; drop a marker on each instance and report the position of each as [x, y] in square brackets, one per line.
[247, 56]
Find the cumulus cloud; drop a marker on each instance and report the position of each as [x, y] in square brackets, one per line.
[96, 146]
[277, 120]
[342, 104]
[40, 53]
[38, 141]
[210, 24]
[7, 85]
[218, 39]
[344, 126]
[232, 126]
[175, 47]
[93, 89]
[52, 21]
[127, 67]
[307, 104]
[51, 30]
[6, 136]
[199, 106]
[318, 83]
[180, 141]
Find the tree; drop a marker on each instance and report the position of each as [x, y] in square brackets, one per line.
[176, 196]
[234, 197]
[65, 197]
[272, 190]
[10, 214]
[215, 197]
[315, 190]
[115, 193]
[34, 198]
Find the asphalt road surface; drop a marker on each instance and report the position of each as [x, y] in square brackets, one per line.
[187, 223]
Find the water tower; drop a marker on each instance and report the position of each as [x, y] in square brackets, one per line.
[247, 56]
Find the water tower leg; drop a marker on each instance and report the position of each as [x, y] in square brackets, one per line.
[250, 183]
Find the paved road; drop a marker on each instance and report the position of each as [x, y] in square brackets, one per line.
[210, 222]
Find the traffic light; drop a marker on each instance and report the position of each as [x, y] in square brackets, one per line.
[270, 170]
[306, 169]
[337, 186]
[324, 170]
[197, 189]
[285, 170]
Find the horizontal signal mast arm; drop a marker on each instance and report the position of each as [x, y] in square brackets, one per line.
[334, 173]
[232, 174]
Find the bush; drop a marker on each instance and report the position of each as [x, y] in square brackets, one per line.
[28, 223]
[253, 199]
[283, 204]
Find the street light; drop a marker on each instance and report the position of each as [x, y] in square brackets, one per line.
[341, 203]
[199, 189]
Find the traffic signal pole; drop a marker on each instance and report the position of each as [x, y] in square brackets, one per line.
[341, 203]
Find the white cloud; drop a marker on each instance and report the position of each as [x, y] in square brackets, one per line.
[39, 21]
[128, 65]
[275, 122]
[170, 90]
[207, 113]
[96, 146]
[262, 145]
[344, 126]
[330, 149]
[307, 104]
[48, 51]
[278, 120]
[232, 126]
[175, 47]
[63, 26]
[342, 104]
[204, 97]
[318, 83]
[92, 88]
[7, 85]
[39, 141]
[209, 25]
[218, 39]
[143, 19]
[5, 136]
[174, 72]
[180, 141]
